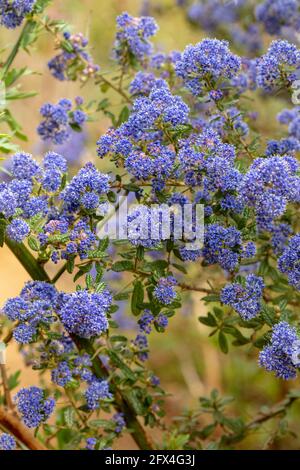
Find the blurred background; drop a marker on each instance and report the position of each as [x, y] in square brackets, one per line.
[188, 363]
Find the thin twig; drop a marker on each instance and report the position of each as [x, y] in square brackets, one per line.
[7, 395]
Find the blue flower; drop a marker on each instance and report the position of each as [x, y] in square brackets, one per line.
[13, 12]
[275, 14]
[84, 314]
[98, 390]
[145, 322]
[119, 422]
[62, 374]
[133, 36]
[85, 189]
[268, 186]
[90, 443]
[209, 57]
[223, 246]
[33, 406]
[289, 262]
[278, 356]
[7, 442]
[8, 201]
[17, 230]
[164, 291]
[34, 309]
[74, 63]
[141, 346]
[24, 167]
[55, 126]
[281, 55]
[245, 299]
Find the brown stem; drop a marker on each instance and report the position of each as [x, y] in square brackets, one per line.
[15, 427]
[7, 396]
[196, 289]
[277, 410]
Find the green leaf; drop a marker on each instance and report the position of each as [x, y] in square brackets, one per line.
[122, 295]
[209, 320]
[103, 245]
[13, 380]
[69, 415]
[89, 281]
[180, 267]
[2, 231]
[124, 115]
[137, 298]
[211, 298]
[118, 339]
[111, 196]
[33, 244]
[131, 187]
[70, 265]
[223, 342]
[129, 374]
[268, 315]
[120, 266]
[132, 397]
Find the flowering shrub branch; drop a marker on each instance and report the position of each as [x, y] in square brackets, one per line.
[183, 139]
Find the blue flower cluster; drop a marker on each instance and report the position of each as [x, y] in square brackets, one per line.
[206, 161]
[278, 357]
[277, 14]
[58, 120]
[39, 304]
[62, 374]
[143, 83]
[13, 12]
[211, 14]
[33, 406]
[278, 66]
[119, 421]
[140, 346]
[73, 61]
[291, 144]
[98, 390]
[76, 368]
[223, 246]
[269, 185]
[64, 237]
[132, 37]
[140, 141]
[164, 292]
[164, 63]
[91, 443]
[147, 320]
[17, 198]
[85, 314]
[34, 310]
[209, 59]
[289, 262]
[7, 442]
[85, 189]
[245, 299]
[36, 194]
[140, 228]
